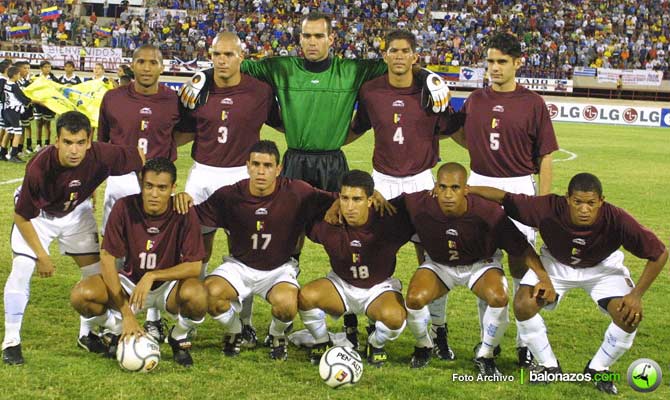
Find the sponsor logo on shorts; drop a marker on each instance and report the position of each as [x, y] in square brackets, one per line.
[153, 230]
[498, 108]
[74, 183]
[261, 211]
[398, 103]
[146, 111]
[355, 243]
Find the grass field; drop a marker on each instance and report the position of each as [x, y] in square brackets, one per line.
[632, 164]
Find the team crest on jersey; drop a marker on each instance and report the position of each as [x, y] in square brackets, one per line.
[150, 245]
[398, 103]
[356, 258]
[145, 111]
[498, 108]
[261, 211]
[74, 183]
[451, 244]
[74, 196]
[153, 230]
[224, 115]
[579, 241]
[396, 118]
[495, 123]
[355, 243]
[227, 101]
[452, 232]
[144, 125]
[260, 225]
[575, 251]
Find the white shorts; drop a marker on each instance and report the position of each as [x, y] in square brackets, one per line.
[357, 300]
[517, 185]
[203, 180]
[77, 233]
[156, 298]
[608, 279]
[117, 188]
[393, 186]
[249, 281]
[464, 275]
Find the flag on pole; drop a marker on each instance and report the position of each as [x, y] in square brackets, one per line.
[50, 13]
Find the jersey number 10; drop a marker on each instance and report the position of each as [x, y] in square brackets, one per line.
[147, 260]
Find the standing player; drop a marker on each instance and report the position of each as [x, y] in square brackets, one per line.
[582, 235]
[162, 253]
[391, 105]
[362, 255]
[143, 114]
[225, 127]
[27, 115]
[69, 78]
[462, 236]
[43, 115]
[15, 103]
[265, 216]
[52, 204]
[510, 137]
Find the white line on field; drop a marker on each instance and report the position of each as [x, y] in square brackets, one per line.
[571, 156]
[11, 181]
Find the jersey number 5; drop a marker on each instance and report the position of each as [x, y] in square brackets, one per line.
[494, 140]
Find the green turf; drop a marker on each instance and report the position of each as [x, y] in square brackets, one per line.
[632, 165]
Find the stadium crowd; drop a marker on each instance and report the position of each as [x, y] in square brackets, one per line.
[557, 35]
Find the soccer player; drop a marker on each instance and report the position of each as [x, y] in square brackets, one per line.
[52, 204]
[265, 216]
[69, 78]
[582, 235]
[15, 103]
[462, 235]
[225, 127]
[27, 115]
[43, 115]
[143, 114]
[391, 105]
[162, 253]
[510, 138]
[362, 255]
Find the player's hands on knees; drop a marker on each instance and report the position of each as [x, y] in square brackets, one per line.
[333, 215]
[544, 292]
[182, 202]
[139, 296]
[194, 92]
[630, 309]
[130, 328]
[45, 267]
[381, 205]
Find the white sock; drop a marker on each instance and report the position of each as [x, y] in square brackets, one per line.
[88, 324]
[183, 326]
[495, 323]
[114, 322]
[481, 310]
[438, 311]
[90, 270]
[315, 321]
[383, 334]
[533, 332]
[17, 293]
[417, 322]
[230, 321]
[516, 282]
[616, 343]
[247, 309]
[278, 327]
[153, 314]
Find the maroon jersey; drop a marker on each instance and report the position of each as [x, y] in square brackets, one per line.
[582, 247]
[128, 118]
[230, 122]
[507, 131]
[464, 240]
[151, 242]
[366, 255]
[56, 190]
[401, 127]
[264, 230]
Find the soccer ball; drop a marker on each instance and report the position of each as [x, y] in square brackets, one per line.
[138, 354]
[341, 367]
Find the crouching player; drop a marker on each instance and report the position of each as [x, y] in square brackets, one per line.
[163, 253]
[582, 235]
[462, 236]
[362, 256]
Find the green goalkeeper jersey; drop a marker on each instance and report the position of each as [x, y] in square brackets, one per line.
[316, 107]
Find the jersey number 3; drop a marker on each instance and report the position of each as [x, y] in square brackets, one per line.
[223, 134]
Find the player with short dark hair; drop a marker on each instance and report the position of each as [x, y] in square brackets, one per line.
[510, 138]
[265, 215]
[43, 115]
[362, 255]
[162, 254]
[69, 78]
[582, 234]
[15, 103]
[463, 235]
[52, 203]
[27, 115]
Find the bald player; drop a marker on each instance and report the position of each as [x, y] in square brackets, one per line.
[582, 235]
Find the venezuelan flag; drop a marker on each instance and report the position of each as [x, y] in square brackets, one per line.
[17, 31]
[104, 31]
[50, 13]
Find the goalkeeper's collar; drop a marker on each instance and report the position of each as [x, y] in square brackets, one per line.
[318, 66]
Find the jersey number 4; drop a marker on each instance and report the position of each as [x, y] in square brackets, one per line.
[398, 137]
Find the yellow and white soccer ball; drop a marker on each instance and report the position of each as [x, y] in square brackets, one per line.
[138, 354]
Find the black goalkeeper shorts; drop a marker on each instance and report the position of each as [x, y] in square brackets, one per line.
[321, 169]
